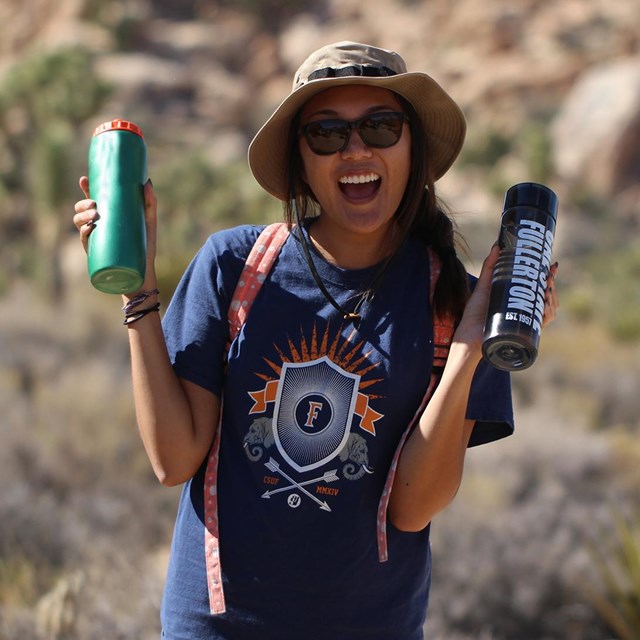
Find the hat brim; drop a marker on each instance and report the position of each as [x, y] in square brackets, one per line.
[442, 119]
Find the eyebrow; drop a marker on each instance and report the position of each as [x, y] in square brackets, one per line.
[373, 109]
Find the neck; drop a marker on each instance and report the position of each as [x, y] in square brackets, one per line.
[351, 251]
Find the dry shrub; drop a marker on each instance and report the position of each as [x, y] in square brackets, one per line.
[509, 561]
[84, 525]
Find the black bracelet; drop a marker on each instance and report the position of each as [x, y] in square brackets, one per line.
[135, 301]
[137, 315]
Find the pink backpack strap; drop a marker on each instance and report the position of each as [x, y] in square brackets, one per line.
[443, 329]
[257, 266]
[259, 262]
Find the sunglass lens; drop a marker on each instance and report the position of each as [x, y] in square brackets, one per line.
[382, 130]
[326, 136]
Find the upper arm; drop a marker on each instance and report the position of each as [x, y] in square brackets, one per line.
[205, 411]
[205, 416]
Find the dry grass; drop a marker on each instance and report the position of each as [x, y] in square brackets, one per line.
[83, 522]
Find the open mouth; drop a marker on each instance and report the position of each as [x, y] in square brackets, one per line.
[360, 187]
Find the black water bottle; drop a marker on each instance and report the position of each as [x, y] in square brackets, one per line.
[516, 305]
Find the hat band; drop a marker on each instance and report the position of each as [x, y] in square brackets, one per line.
[354, 70]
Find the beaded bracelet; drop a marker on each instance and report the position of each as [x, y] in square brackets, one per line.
[136, 300]
[137, 315]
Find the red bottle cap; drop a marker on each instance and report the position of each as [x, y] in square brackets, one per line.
[118, 124]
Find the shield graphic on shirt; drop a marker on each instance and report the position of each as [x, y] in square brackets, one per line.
[314, 407]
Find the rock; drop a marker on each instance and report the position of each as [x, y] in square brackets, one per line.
[222, 96]
[130, 71]
[596, 135]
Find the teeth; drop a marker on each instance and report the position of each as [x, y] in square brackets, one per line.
[370, 177]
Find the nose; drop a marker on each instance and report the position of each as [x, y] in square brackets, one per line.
[356, 146]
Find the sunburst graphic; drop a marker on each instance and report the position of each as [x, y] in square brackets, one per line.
[345, 352]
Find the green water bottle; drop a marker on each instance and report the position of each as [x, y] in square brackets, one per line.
[117, 173]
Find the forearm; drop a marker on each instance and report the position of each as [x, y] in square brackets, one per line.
[177, 419]
[176, 430]
[431, 464]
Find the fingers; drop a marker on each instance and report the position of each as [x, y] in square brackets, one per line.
[85, 219]
[86, 213]
[552, 302]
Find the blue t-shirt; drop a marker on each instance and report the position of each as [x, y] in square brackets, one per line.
[313, 410]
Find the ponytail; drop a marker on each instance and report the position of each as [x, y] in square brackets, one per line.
[423, 215]
[452, 289]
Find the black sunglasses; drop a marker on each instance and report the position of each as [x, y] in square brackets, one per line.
[379, 130]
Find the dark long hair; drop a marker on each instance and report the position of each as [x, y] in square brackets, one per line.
[420, 214]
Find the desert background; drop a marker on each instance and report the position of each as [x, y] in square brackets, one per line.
[543, 540]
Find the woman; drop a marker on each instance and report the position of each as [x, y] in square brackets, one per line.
[309, 515]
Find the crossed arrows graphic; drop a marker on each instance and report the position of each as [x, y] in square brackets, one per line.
[329, 476]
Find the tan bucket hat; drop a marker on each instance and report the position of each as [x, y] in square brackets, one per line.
[349, 63]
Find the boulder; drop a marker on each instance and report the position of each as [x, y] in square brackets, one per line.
[596, 134]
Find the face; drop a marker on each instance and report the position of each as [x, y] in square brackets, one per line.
[359, 188]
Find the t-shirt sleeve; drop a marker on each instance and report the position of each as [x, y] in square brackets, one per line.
[195, 324]
[490, 404]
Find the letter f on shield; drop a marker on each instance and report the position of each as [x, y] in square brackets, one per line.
[314, 407]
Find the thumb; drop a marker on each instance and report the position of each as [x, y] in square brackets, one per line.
[486, 274]
[150, 208]
[84, 186]
[150, 200]
[151, 219]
